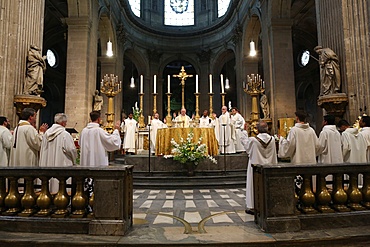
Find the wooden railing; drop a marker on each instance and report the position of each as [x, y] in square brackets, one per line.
[24, 207]
[291, 197]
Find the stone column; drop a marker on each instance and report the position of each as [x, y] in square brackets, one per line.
[343, 26]
[21, 24]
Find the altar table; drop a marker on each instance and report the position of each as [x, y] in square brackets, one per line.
[164, 136]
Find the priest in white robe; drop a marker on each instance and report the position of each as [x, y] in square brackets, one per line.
[183, 120]
[57, 148]
[261, 150]
[301, 144]
[353, 144]
[6, 139]
[365, 133]
[155, 125]
[330, 148]
[95, 142]
[227, 135]
[238, 121]
[205, 121]
[216, 125]
[27, 140]
[129, 139]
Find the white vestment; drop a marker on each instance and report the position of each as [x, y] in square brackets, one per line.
[205, 122]
[28, 143]
[365, 133]
[226, 137]
[262, 151]
[216, 125]
[185, 121]
[155, 125]
[95, 143]
[353, 146]
[238, 121]
[300, 146]
[330, 151]
[129, 140]
[6, 139]
[57, 150]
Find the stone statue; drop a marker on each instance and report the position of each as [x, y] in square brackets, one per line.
[265, 106]
[329, 71]
[98, 101]
[36, 67]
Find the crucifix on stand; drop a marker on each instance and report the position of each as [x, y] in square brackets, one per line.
[182, 76]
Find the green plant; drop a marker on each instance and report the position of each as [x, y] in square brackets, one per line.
[136, 112]
[188, 151]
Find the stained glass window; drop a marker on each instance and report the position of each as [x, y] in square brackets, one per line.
[222, 6]
[135, 7]
[179, 12]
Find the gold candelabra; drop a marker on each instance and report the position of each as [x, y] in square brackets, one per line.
[141, 117]
[154, 103]
[168, 117]
[197, 107]
[110, 87]
[223, 98]
[254, 87]
[210, 103]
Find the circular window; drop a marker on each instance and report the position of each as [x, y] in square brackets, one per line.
[51, 58]
[304, 58]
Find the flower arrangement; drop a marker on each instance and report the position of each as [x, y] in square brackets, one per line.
[189, 151]
[136, 112]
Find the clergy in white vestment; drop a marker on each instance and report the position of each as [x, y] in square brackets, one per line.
[227, 135]
[353, 144]
[216, 125]
[6, 139]
[183, 119]
[204, 120]
[95, 142]
[57, 148]
[301, 144]
[27, 140]
[330, 147]
[261, 150]
[155, 125]
[238, 121]
[129, 139]
[365, 133]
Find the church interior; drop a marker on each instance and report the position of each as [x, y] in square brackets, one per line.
[233, 53]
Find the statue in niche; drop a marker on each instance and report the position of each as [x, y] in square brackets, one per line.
[265, 106]
[98, 101]
[329, 71]
[36, 67]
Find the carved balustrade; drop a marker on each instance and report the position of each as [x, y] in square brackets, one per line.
[105, 210]
[287, 200]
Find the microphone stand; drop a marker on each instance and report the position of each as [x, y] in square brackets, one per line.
[224, 125]
[149, 148]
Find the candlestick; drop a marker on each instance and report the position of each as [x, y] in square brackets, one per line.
[210, 103]
[223, 98]
[168, 117]
[196, 84]
[168, 84]
[222, 83]
[141, 83]
[197, 107]
[210, 83]
[141, 117]
[154, 103]
[155, 84]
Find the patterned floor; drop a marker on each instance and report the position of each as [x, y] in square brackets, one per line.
[193, 207]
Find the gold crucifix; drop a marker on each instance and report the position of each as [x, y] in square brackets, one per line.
[182, 76]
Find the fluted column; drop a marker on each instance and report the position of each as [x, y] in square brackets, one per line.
[21, 24]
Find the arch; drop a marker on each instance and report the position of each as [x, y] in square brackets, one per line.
[78, 8]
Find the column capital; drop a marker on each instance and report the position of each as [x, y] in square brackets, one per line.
[78, 22]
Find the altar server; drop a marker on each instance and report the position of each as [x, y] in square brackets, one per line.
[130, 129]
[156, 124]
[238, 121]
[227, 135]
[365, 133]
[261, 150]
[183, 118]
[57, 148]
[95, 142]
[6, 139]
[301, 144]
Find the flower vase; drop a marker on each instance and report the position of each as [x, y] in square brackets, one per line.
[190, 166]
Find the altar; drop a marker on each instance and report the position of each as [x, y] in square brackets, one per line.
[164, 136]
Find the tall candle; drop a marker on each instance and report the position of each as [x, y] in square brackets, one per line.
[141, 83]
[148, 119]
[196, 84]
[155, 84]
[168, 84]
[222, 83]
[263, 84]
[210, 83]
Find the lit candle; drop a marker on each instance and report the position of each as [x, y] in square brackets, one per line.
[101, 84]
[168, 84]
[120, 84]
[222, 83]
[210, 83]
[148, 119]
[141, 83]
[155, 84]
[196, 84]
[263, 84]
